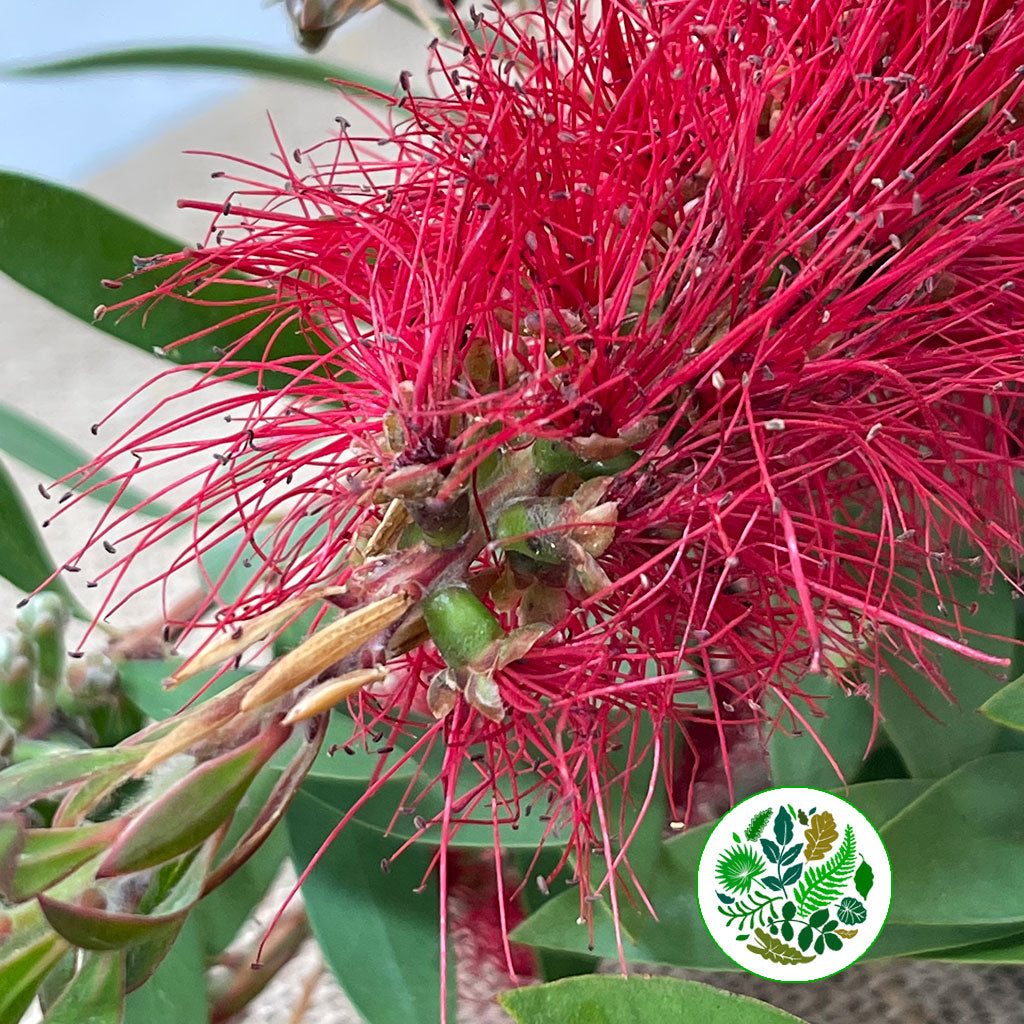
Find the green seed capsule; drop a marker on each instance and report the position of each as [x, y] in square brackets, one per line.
[525, 527]
[461, 625]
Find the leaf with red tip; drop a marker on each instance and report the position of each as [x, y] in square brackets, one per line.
[50, 854]
[191, 810]
[29, 781]
[95, 994]
[246, 837]
[90, 928]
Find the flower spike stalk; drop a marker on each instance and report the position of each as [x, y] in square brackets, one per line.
[654, 357]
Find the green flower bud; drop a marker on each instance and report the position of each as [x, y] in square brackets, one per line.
[44, 620]
[17, 681]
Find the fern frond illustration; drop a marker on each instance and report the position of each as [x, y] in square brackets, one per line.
[824, 884]
[745, 912]
[757, 824]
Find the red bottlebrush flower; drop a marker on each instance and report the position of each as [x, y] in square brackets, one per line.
[663, 351]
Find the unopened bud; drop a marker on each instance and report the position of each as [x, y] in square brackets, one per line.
[17, 681]
[43, 620]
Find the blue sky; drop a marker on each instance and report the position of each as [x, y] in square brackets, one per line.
[70, 127]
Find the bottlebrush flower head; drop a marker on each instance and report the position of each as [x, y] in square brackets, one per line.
[651, 359]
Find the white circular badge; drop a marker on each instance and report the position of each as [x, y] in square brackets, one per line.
[794, 884]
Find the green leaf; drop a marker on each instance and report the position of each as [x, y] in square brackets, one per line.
[95, 929]
[95, 994]
[222, 914]
[956, 850]
[24, 783]
[305, 70]
[23, 558]
[41, 449]
[176, 993]
[1006, 706]
[142, 683]
[379, 937]
[1009, 950]
[783, 828]
[34, 216]
[50, 854]
[612, 1000]
[191, 810]
[798, 760]
[933, 747]
[864, 879]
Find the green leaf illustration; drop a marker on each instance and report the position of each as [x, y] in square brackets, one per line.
[776, 950]
[851, 911]
[864, 879]
[821, 836]
[745, 912]
[846, 933]
[783, 827]
[823, 884]
[792, 874]
[737, 868]
[758, 823]
[806, 937]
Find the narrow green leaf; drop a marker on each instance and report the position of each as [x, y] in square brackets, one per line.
[95, 995]
[100, 930]
[305, 70]
[34, 219]
[41, 449]
[1009, 950]
[378, 936]
[612, 1000]
[967, 828]
[1006, 706]
[24, 783]
[23, 558]
[50, 854]
[221, 915]
[191, 810]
